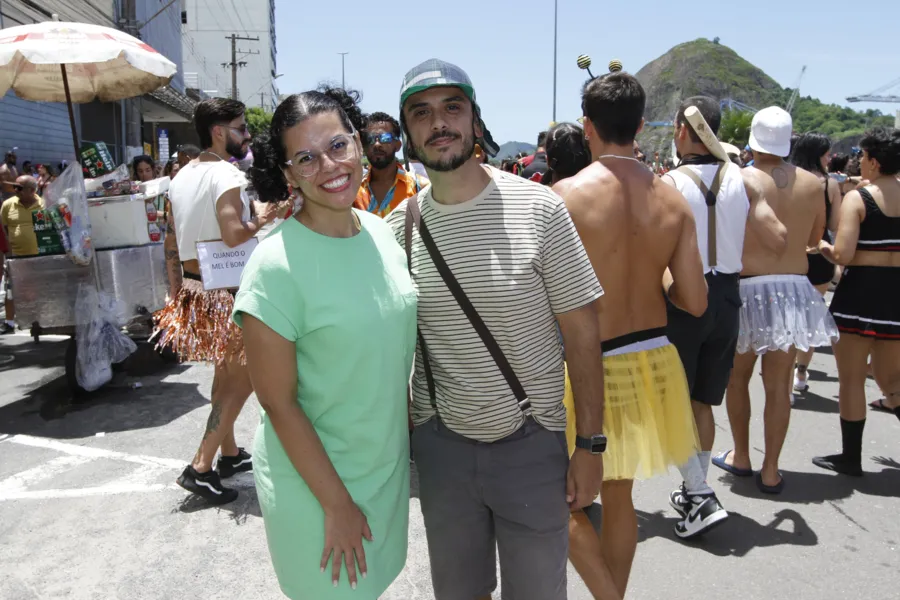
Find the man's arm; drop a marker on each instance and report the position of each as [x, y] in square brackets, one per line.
[684, 282]
[173, 260]
[762, 220]
[229, 208]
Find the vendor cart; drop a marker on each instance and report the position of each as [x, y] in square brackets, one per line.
[129, 266]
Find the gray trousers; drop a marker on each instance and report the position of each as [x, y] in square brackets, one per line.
[478, 498]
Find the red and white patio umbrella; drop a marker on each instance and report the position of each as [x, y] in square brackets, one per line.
[57, 61]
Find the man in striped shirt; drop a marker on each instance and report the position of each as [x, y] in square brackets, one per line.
[493, 468]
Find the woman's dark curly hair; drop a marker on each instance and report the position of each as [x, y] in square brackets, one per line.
[567, 151]
[266, 174]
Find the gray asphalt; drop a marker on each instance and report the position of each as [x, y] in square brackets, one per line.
[88, 509]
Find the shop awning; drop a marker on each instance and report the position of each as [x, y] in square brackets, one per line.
[167, 105]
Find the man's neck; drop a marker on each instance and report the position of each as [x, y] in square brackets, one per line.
[28, 203]
[461, 185]
[540, 149]
[385, 175]
[600, 148]
[760, 159]
[210, 154]
[694, 150]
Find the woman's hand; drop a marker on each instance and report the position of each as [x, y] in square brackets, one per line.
[345, 528]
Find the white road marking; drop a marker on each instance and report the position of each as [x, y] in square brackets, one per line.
[143, 479]
[76, 450]
[20, 481]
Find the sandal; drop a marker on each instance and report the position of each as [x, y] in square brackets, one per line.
[880, 406]
[719, 461]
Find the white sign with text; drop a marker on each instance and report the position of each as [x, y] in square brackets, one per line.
[221, 266]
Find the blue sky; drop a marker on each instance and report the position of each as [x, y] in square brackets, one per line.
[507, 47]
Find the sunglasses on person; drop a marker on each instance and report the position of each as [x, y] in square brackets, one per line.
[341, 148]
[380, 138]
[242, 129]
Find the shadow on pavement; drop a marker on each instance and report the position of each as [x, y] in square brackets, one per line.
[246, 505]
[50, 411]
[44, 355]
[816, 375]
[811, 402]
[738, 537]
[814, 488]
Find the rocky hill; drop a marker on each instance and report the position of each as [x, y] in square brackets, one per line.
[711, 69]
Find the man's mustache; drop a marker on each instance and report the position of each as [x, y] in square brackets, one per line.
[441, 134]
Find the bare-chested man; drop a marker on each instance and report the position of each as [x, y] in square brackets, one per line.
[8, 174]
[781, 309]
[707, 343]
[633, 227]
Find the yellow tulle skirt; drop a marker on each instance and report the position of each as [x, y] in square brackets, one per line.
[647, 420]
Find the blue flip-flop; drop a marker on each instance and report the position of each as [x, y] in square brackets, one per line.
[719, 461]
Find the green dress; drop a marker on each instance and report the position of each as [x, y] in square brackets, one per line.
[349, 306]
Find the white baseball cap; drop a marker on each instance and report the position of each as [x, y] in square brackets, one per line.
[770, 131]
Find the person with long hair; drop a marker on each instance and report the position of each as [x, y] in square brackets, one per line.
[328, 313]
[865, 305]
[810, 153]
[567, 153]
[45, 176]
[209, 202]
[143, 168]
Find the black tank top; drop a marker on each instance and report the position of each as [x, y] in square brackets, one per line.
[878, 231]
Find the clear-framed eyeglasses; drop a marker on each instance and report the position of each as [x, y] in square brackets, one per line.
[341, 148]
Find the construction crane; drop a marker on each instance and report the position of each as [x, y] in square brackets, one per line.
[790, 105]
[875, 96]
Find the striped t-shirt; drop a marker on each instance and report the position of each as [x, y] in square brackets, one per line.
[515, 252]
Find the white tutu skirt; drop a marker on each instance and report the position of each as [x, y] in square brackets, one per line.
[780, 311]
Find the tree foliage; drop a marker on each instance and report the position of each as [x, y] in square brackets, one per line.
[258, 120]
[735, 127]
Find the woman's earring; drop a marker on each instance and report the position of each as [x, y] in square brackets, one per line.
[478, 151]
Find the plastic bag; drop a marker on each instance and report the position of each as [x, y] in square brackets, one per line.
[99, 318]
[66, 201]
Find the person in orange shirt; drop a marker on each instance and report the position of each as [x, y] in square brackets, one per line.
[387, 183]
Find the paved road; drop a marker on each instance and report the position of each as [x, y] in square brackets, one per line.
[88, 508]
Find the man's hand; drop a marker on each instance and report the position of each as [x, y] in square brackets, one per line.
[583, 479]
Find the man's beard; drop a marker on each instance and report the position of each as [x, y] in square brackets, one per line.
[447, 163]
[236, 149]
[382, 163]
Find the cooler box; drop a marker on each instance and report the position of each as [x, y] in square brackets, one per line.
[120, 221]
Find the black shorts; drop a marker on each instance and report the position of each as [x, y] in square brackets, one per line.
[707, 344]
[820, 270]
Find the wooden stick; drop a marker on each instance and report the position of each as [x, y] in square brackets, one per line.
[701, 127]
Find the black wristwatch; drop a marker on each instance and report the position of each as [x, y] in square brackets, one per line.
[596, 444]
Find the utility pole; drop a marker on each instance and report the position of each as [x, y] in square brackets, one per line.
[234, 64]
[343, 82]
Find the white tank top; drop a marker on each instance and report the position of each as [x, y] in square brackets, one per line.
[732, 208]
[194, 193]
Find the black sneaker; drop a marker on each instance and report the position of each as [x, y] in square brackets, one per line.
[680, 501]
[206, 485]
[704, 514]
[6, 328]
[232, 465]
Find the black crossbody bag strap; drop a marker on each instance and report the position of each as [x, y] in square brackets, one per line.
[414, 218]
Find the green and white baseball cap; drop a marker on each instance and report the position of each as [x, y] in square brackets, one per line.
[438, 73]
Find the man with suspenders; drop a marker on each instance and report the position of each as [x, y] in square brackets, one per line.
[727, 203]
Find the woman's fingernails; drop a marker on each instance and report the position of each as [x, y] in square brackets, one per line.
[353, 586]
[334, 581]
[322, 569]
[365, 573]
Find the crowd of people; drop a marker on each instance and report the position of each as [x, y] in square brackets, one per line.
[535, 336]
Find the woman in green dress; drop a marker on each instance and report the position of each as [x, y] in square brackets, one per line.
[328, 313]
